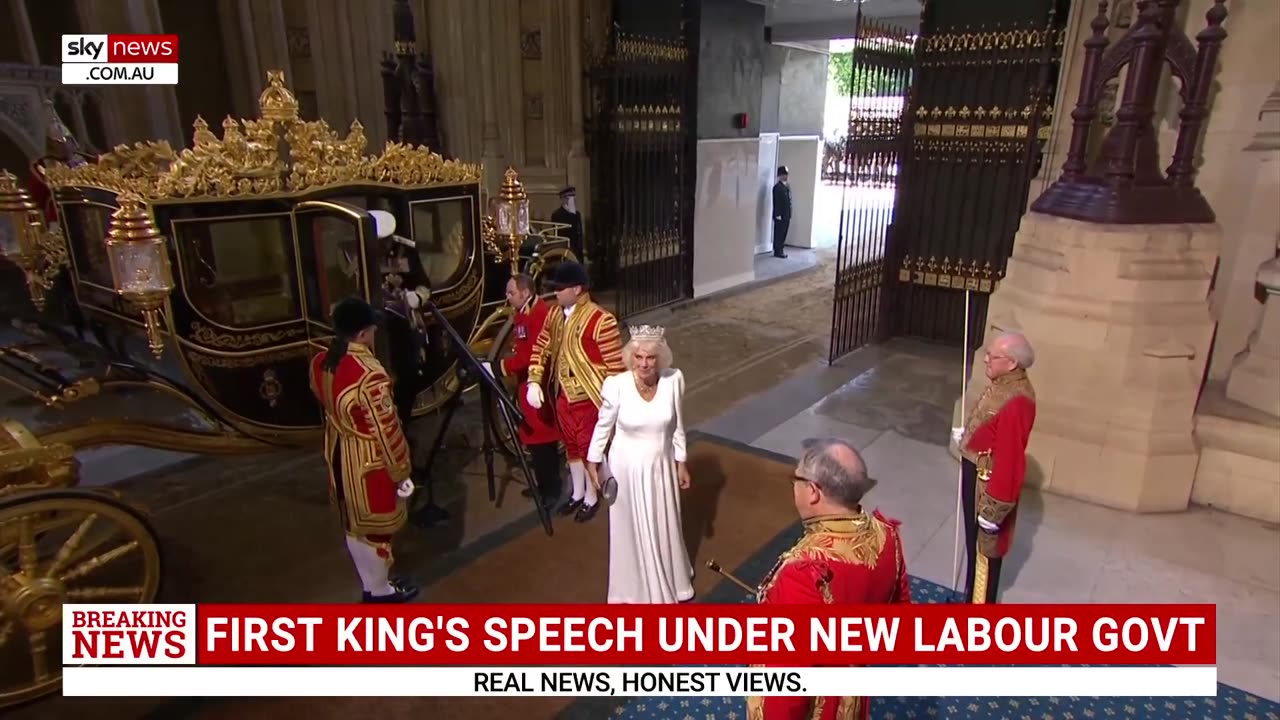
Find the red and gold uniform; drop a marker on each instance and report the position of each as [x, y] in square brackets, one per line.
[539, 425]
[576, 350]
[854, 559]
[367, 455]
[994, 447]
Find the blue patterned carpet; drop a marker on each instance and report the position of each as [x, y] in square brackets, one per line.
[1230, 703]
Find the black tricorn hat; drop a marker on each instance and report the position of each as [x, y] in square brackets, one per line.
[567, 274]
[352, 315]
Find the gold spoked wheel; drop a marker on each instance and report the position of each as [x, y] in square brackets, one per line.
[57, 547]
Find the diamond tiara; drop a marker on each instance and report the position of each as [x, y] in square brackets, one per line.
[647, 332]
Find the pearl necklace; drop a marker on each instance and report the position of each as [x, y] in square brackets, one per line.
[643, 389]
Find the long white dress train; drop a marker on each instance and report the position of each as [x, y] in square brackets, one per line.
[648, 561]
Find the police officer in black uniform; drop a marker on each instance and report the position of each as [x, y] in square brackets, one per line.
[781, 212]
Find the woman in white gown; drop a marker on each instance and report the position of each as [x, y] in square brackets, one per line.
[641, 413]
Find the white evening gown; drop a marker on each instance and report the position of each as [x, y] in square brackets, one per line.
[648, 561]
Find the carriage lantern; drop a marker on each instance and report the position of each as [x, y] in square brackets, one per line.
[512, 222]
[20, 223]
[140, 264]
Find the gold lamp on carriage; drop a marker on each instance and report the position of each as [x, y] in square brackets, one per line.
[20, 229]
[140, 267]
[512, 221]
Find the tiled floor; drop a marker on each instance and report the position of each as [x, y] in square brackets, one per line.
[898, 410]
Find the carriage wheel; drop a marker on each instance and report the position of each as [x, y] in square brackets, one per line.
[56, 547]
[541, 267]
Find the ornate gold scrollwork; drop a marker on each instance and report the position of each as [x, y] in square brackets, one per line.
[633, 48]
[209, 337]
[945, 274]
[270, 388]
[275, 154]
[993, 125]
[648, 119]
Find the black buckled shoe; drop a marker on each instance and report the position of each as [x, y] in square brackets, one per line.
[586, 512]
[403, 593]
[570, 507]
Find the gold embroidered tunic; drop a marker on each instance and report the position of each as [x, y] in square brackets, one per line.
[846, 560]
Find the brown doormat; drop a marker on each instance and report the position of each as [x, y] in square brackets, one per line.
[739, 502]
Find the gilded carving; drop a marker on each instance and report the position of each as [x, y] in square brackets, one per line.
[946, 274]
[270, 388]
[205, 335]
[278, 153]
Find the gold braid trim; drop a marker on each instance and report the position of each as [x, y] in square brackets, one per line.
[991, 509]
[981, 573]
[998, 393]
[855, 539]
[850, 708]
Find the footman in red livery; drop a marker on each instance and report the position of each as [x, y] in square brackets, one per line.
[579, 346]
[993, 443]
[364, 447]
[845, 557]
[538, 432]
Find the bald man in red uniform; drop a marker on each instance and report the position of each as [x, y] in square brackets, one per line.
[993, 443]
[845, 557]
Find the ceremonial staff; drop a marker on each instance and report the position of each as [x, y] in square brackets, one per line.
[964, 409]
[715, 568]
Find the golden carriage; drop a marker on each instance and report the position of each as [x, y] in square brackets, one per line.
[206, 278]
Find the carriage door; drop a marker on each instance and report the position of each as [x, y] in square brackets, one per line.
[338, 254]
[981, 107]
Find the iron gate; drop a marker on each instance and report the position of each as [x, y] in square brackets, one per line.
[980, 111]
[642, 155]
[880, 79]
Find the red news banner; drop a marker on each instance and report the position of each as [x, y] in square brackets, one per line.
[635, 635]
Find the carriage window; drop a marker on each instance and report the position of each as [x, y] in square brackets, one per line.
[240, 272]
[443, 231]
[87, 236]
[330, 249]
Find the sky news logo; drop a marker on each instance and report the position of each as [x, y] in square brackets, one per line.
[119, 59]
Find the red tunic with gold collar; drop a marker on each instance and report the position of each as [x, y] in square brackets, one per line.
[571, 358]
[365, 447]
[840, 560]
[539, 424]
[995, 439]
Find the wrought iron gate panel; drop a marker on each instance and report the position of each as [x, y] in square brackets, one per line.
[980, 111]
[882, 59]
[643, 154]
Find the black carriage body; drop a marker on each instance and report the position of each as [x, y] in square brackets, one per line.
[255, 280]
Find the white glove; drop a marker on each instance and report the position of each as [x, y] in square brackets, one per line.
[413, 299]
[987, 525]
[534, 396]
[957, 434]
[405, 489]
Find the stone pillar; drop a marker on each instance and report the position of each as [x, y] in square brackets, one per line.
[1255, 379]
[579, 165]
[1120, 321]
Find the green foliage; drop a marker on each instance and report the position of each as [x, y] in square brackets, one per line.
[867, 82]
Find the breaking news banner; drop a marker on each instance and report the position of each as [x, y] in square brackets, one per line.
[639, 650]
[119, 59]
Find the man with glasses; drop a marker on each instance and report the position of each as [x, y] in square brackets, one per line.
[845, 557]
[993, 443]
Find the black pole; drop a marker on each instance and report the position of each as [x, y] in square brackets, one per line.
[471, 370]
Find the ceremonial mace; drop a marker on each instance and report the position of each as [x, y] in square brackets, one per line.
[964, 409]
[715, 568]
[469, 370]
